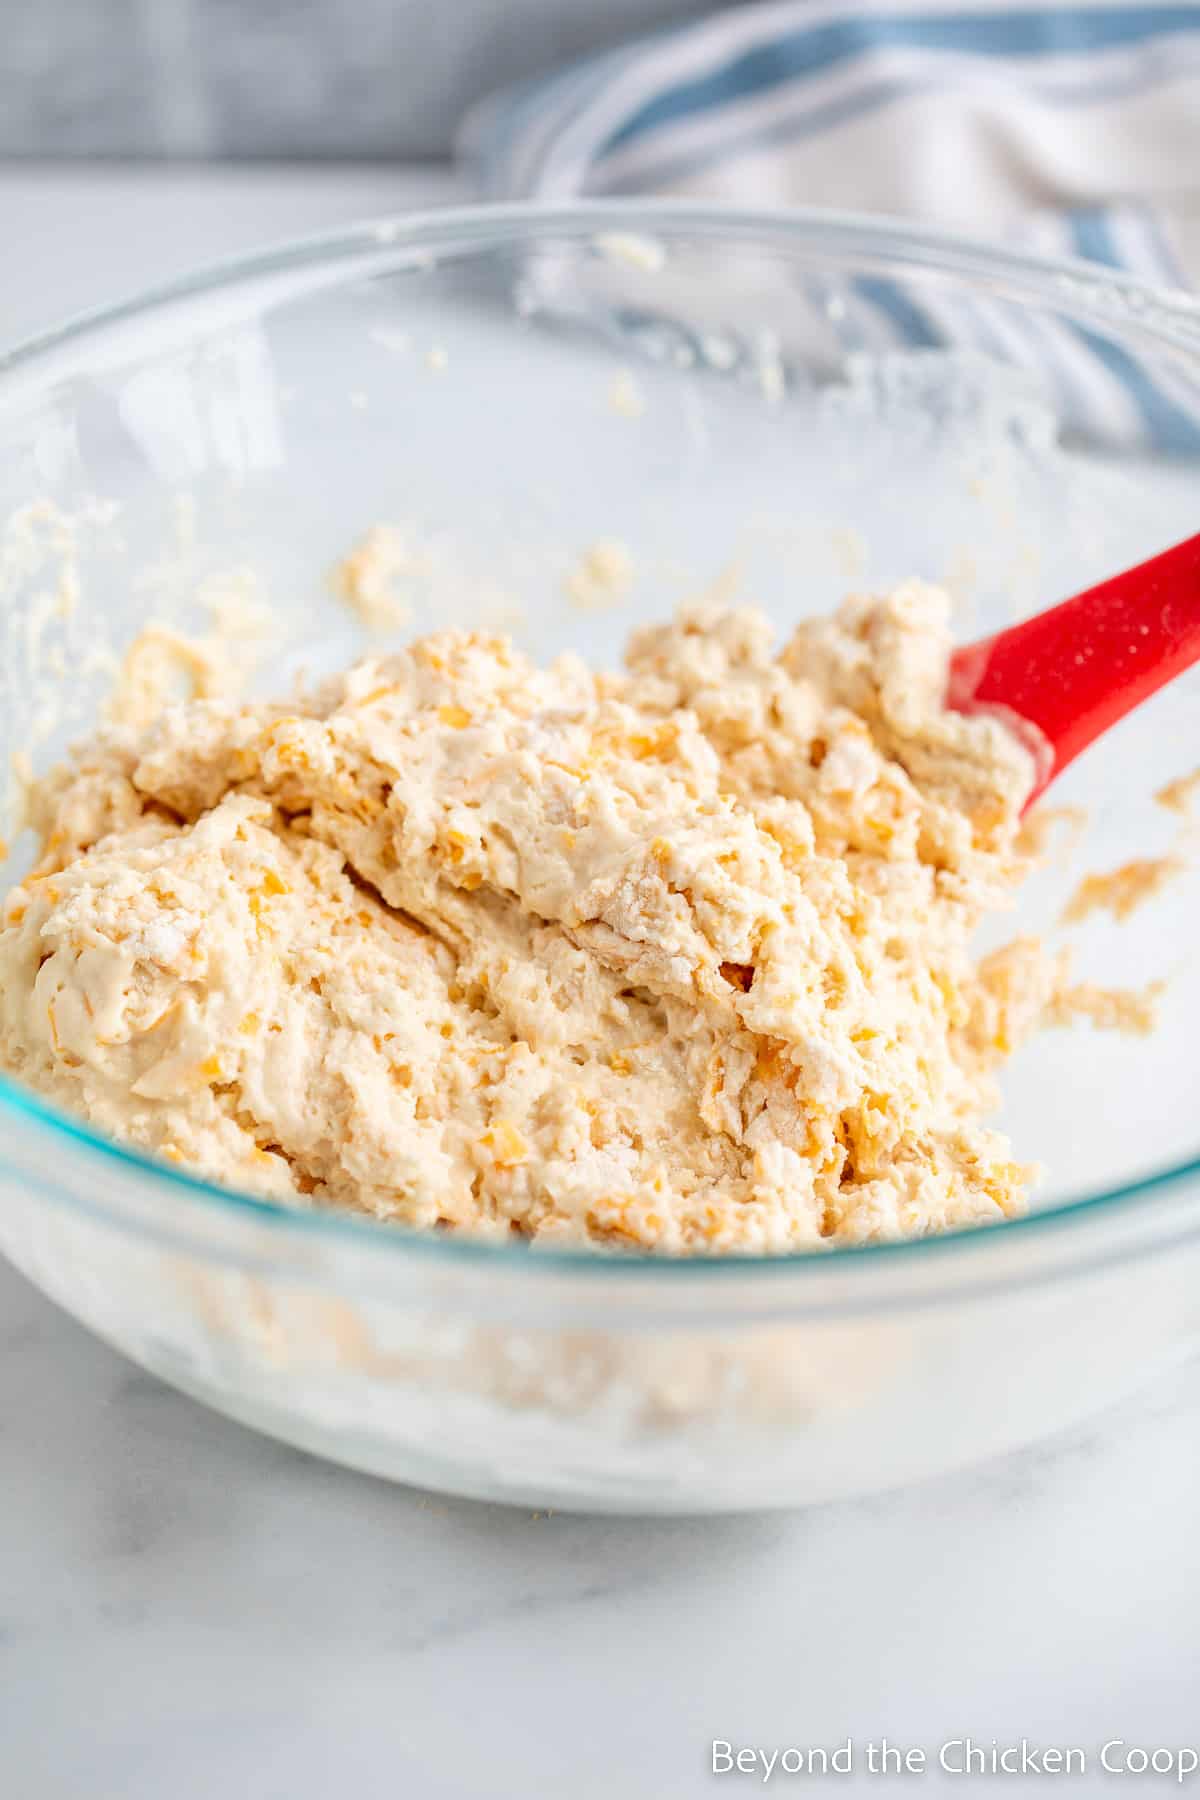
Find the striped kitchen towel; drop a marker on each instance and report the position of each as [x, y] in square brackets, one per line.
[1072, 129]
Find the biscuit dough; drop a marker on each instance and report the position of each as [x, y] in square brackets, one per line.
[675, 958]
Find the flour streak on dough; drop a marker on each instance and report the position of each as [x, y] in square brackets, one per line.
[674, 958]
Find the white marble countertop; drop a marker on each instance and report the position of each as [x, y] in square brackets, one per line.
[187, 1610]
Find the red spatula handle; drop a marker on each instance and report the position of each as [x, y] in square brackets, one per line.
[1075, 670]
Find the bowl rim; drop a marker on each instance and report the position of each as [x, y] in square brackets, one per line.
[1168, 319]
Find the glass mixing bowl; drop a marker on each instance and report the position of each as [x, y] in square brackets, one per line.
[726, 395]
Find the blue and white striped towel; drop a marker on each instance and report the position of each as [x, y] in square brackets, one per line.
[1070, 129]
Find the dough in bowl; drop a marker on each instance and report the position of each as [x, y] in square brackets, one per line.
[676, 958]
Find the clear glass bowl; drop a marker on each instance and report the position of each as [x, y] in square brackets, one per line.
[717, 391]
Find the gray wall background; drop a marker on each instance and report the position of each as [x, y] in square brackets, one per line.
[280, 78]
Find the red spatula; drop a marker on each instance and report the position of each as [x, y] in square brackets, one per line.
[1075, 670]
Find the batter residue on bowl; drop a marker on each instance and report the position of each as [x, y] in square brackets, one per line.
[675, 958]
